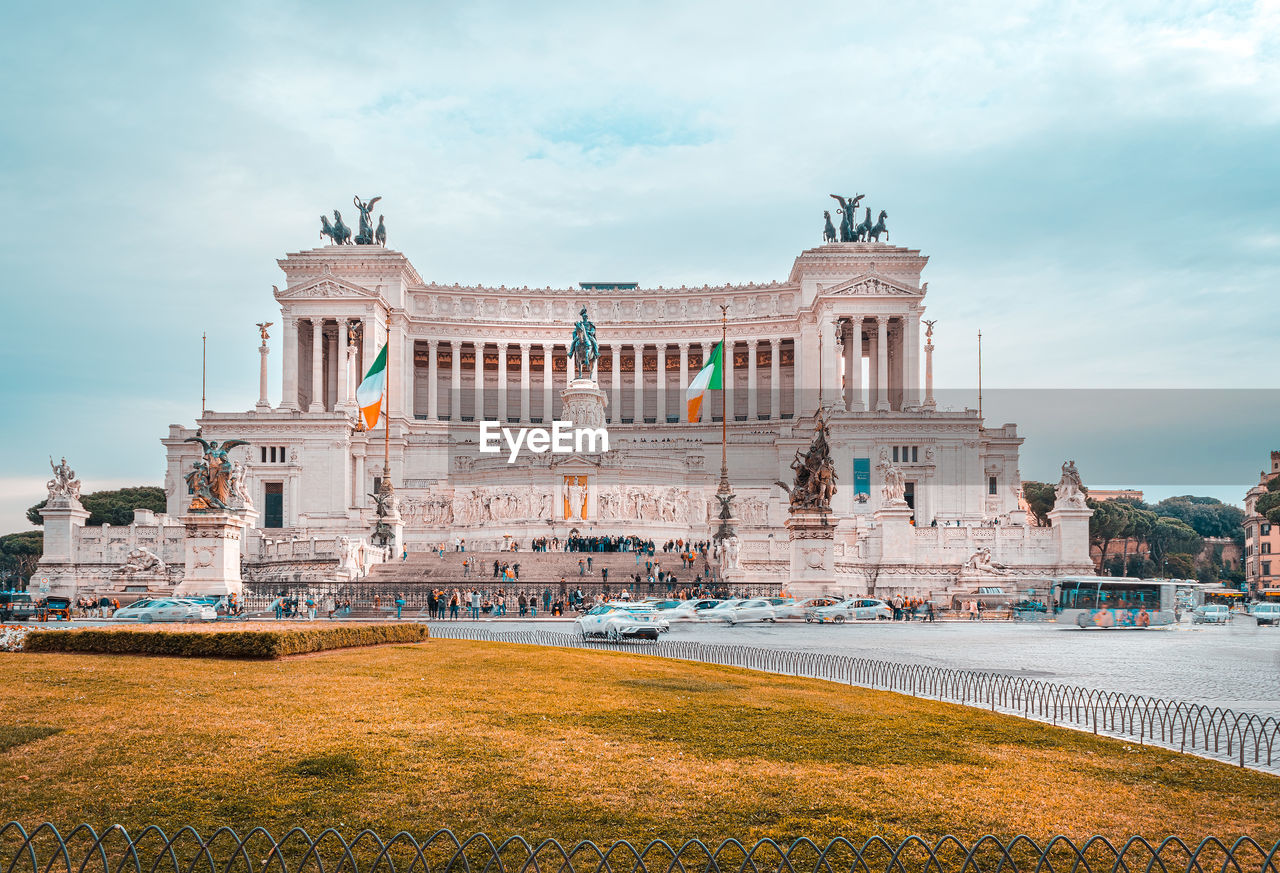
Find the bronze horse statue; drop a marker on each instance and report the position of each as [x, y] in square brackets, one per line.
[338, 232]
[828, 232]
[874, 233]
[862, 231]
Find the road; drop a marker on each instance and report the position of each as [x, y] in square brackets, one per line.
[1236, 666]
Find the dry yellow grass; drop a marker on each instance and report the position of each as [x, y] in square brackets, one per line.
[568, 744]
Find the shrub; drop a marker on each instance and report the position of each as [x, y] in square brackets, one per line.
[213, 643]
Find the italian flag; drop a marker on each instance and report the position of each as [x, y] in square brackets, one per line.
[709, 378]
[372, 390]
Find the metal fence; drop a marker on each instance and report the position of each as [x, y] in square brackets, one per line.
[82, 849]
[1247, 739]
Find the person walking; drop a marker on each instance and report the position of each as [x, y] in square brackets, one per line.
[475, 604]
[399, 606]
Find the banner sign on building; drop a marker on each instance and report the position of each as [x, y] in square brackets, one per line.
[861, 476]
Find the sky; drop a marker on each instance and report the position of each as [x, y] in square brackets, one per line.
[1096, 185]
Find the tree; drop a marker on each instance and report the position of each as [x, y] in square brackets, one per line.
[20, 552]
[1207, 515]
[1039, 497]
[112, 507]
[1268, 505]
[1170, 536]
[1179, 566]
[1107, 522]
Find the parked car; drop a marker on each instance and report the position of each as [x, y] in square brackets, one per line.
[854, 609]
[691, 610]
[617, 622]
[1266, 613]
[1211, 613]
[17, 606]
[166, 609]
[743, 611]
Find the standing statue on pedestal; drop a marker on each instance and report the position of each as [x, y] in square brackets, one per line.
[1070, 489]
[895, 484]
[365, 237]
[210, 477]
[64, 483]
[815, 479]
[583, 349]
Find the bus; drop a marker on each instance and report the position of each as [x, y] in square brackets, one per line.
[1101, 602]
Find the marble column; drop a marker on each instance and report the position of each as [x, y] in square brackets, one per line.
[525, 384]
[882, 362]
[797, 378]
[455, 381]
[344, 368]
[317, 370]
[911, 395]
[502, 383]
[479, 386]
[753, 386]
[638, 416]
[263, 401]
[660, 416]
[433, 380]
[357, 496]
[829, 378]
[853, 367]
[873, 367]
[548, 353]
[331, 371]
[928, 369]
[408, 379]
[684, 382]
[775, 379]
[289, 376]
[615, 383]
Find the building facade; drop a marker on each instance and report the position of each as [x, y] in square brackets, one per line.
[842, 332]
[1261, 537]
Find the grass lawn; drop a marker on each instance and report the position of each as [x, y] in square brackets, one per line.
[568, 744]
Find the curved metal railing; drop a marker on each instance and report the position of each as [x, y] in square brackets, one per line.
[82, 849]
[1243, 738]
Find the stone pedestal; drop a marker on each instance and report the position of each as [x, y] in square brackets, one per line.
[1070, 522]
[213, 554]
[897, 535]
[813, 553]
[584, 403]
[63, 518]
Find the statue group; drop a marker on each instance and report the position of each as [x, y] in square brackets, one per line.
[216, 482]
[340, 235]
[865, 231]
[64, 483]
[583, 349]
[815, 473]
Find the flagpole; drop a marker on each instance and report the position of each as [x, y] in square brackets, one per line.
[386, 420]
[204, 369]
[979, 376]
[724, 396]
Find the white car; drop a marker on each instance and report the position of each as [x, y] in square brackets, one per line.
[721, 611]
[1266, 613]
[616, 622]
[854, 609]
[756, 609]
[1211, 613]
[691, 610]
[166, 609]
[801, 608]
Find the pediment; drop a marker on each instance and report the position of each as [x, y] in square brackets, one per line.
[325, 287]
[869, 285]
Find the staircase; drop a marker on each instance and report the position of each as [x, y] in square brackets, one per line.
[536, 568]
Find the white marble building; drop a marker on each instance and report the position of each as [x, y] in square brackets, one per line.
[842, 331]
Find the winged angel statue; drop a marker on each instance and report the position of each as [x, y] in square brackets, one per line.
[210, 478]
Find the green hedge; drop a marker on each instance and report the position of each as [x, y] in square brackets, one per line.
[265, 643]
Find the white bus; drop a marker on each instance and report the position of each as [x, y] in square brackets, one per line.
[1099, 602]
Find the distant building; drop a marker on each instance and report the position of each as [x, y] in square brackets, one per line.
[1261, 538]
[1115, 494]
